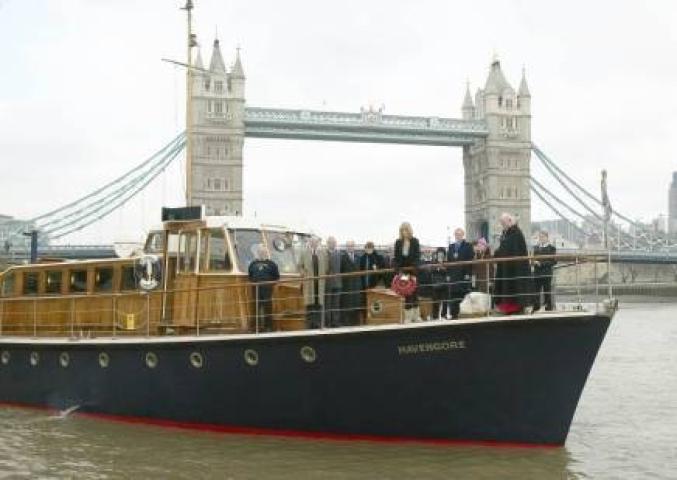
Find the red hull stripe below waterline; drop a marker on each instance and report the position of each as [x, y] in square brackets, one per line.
[254, 431]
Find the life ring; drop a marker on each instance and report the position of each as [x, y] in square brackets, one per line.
[148, 272]
[404, 284]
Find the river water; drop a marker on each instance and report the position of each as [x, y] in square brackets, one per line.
[625, 428]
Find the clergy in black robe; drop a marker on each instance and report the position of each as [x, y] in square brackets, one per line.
[351, 286]
[512, 285]
[460, 278]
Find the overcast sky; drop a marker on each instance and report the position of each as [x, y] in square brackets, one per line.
[84, 97]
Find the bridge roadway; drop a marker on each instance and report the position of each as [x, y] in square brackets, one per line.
[370, 126]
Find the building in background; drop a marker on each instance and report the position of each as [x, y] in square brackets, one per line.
[672, 206]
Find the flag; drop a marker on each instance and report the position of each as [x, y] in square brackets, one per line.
[606, 204]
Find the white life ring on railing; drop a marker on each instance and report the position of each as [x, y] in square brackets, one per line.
[148, 272]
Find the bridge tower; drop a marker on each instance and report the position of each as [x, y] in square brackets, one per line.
[217, 134]
[497, 168]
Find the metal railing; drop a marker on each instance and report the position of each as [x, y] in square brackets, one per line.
[344, 301]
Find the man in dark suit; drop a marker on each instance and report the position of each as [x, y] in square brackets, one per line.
[351, 286]
[263, 270]
[460, 278]
[543, 271]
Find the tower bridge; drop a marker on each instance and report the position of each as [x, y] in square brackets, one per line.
[494, 131]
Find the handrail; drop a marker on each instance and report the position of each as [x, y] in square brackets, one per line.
[302, 278]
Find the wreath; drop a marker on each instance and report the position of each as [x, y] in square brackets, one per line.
[404, 284]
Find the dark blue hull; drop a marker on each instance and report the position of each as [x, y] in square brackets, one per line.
[503, 380]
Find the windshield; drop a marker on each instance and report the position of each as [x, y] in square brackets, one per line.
[283, 248]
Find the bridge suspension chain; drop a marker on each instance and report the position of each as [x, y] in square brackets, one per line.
[116, 201]
[145, 169]
[94, 206]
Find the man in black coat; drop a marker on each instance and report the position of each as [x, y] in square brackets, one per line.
[262, 269]
[350, 286]
[543, 272]
[512, 286]
[460, 278]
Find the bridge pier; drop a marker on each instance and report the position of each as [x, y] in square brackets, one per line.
[497, 167]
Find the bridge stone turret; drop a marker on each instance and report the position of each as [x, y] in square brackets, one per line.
[497, 167]
[218, 134]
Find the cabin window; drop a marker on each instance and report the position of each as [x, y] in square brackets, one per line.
[246, 242]
[78, 281]
[216, 258]
[8, 285]
[281, 251]
[31, 280]
[155, 242]
[53, 281]
[128, 278]
[103, 279]
[187, 252]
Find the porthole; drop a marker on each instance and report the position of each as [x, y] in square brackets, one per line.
[308, 354]
[64, 359]
[4, 358]
[34, 358]
[196, 359]
[151, 360]
[104, 360]
[251, 357]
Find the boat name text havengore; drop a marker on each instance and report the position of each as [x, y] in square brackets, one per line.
[432, 347]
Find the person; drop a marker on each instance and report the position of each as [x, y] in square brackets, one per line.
[439, 281]
[407, 256]
[481, 272]
[512, 284]
[460, 280]
[263, 269]
[312, 264]
[352, 284]
[332, 298]
[543, 271]
[369, 261]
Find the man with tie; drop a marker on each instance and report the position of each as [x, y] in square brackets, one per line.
[351, 286]
[313, 263]
[460, 277]
[332, 298]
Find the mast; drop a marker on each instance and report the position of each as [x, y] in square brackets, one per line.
[189, 95]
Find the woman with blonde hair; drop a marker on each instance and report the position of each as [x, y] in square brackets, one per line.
[407, 258]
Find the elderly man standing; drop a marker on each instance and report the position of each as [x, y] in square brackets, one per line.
[332, 298]
[460, 277]
[512, 286]
[313, 263]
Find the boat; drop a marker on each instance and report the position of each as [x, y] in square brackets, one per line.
[171, 338]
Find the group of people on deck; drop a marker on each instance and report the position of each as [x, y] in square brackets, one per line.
[335, 280]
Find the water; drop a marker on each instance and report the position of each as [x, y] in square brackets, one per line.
[625, 428]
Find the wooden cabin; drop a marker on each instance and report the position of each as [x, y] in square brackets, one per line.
[204, 287]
